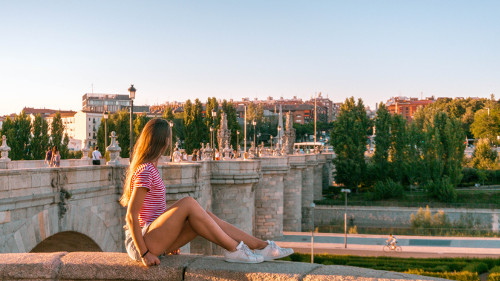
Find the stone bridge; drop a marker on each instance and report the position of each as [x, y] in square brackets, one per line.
[76, 207]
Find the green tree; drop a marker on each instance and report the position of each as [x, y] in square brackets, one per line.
[64, 151]
[487, 123]
[348, 138]
[20, 148]
[484, 157]
[398, 149]
[442, 153]
[56, 131]
[120, 123]
[40, 141]
[382, 143]
[188, 126]
[232, 120]
[139, 123]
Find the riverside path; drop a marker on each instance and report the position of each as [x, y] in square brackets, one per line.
[413, 246]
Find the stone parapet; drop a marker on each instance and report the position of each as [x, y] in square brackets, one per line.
[118, 266]
[292, 193]
[269, 198]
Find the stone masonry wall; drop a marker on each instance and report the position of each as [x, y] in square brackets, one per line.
[292, 194]
[37, 203]
[399, 216]
[308, 191]
[233, 192]
[269, 198]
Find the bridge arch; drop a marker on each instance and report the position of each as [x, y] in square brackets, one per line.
[67, 241]
[77, 219]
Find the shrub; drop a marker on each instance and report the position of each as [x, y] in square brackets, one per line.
[388, 189]
[441, 189]
[461, 276]
[495, 269]
[494, 277]
[353, 230]
[479, 267]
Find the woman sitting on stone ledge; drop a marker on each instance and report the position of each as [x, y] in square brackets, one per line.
[153, 229]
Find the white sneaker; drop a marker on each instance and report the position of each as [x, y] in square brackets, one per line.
[273, 251]
[243, 254]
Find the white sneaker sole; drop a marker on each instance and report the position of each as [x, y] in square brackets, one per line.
[240, 261]
[275, 258]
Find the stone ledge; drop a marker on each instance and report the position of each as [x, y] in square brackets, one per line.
[118, 266]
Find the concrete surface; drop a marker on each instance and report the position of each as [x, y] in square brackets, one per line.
[118, 266]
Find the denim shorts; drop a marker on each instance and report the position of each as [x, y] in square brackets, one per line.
[129, 243]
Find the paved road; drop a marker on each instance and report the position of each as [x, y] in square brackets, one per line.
[413, 246]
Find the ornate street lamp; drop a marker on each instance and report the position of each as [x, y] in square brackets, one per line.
[171, 124]
[237, 142]
[271, 141]
[212, 140]
[132, 97]
[279, 136]
[254, 123]
[105, 116]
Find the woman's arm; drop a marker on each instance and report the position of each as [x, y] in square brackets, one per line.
[132, 218]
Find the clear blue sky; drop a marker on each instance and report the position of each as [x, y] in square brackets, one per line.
[51, 52]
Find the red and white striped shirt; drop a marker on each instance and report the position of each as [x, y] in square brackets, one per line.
[146, 175]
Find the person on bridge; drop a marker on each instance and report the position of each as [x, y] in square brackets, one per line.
[392, 241]
[153, 229]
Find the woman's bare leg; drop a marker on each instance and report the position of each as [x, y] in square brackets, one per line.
[186, 235]
[238, 234]
[165, 230]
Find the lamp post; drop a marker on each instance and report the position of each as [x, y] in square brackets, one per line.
[212, 140]
[271, 141]
[105, 116]
[214, 116]
[254, 123]
[171, 124]
[279, 136]
[312, 232]
[132, 97]
[346, 191]
[237, 143]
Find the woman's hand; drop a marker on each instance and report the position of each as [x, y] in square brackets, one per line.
[150, 259]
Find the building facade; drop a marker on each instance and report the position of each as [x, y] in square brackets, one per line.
[407, 106]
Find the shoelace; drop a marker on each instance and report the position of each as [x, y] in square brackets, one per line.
[247, 250]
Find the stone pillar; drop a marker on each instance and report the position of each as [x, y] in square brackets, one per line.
[328, 169]
[114, 151]
[292, 194]
[4, 152]
[233, 192]
[269, 198]
[308, 191]
[318, 176]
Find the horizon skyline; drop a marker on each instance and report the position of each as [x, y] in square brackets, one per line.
[240, 99]
[56, 51]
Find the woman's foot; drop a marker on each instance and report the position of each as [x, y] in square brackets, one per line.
[243, 254]
[273, 251]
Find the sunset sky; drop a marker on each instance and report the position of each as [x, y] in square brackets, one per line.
[52, 52]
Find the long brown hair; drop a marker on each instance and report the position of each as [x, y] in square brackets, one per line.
[153, 141]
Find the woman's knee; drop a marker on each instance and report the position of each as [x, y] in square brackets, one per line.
[188, 201]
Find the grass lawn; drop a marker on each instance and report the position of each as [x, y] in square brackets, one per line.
[449, 268]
